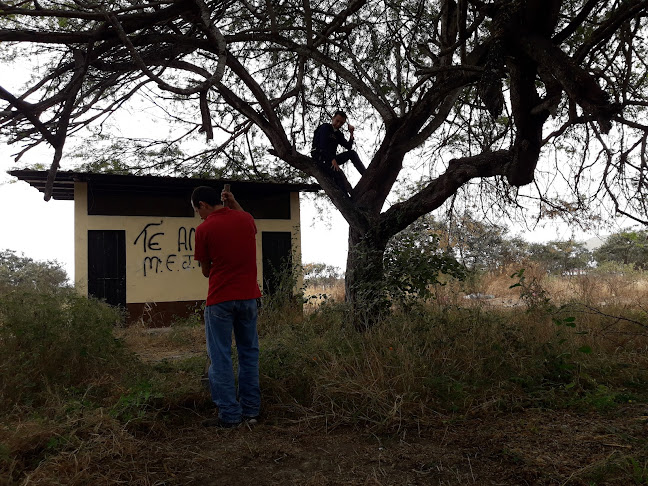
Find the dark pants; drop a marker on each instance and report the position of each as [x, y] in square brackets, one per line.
[351, 155]
[338, 175]
[220, 319]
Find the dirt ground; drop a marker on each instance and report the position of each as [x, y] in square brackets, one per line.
[529, 448]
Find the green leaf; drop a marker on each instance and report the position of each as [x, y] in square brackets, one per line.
[585, 349]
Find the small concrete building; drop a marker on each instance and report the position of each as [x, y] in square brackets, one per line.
[134, 236]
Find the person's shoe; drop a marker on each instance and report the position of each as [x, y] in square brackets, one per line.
[251, 420]
[217, 422]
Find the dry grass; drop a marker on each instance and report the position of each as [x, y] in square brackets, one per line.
[596, 287]
[553, 342]
[451, 361]
[153, 344]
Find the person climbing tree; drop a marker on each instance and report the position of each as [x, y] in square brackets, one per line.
[326, 139]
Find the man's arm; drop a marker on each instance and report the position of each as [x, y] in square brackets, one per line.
[201, 254]
[228, 197]
[347, 144]
[205, 266]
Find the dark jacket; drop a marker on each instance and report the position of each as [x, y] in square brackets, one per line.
[325, 143]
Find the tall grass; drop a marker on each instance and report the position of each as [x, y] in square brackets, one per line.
[54, 340]
[548, 342]
[417, 366]
[79, 406]
[71, 392]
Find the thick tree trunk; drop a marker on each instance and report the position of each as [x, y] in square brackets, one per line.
[364, 282]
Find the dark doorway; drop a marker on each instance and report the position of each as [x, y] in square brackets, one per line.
[277, 259]
[107, 265]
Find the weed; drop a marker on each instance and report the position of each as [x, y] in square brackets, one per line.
[633, 469]
[135, 404]
[532, 293]
[428, 363]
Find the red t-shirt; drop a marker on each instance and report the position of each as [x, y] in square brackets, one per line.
[227, 238]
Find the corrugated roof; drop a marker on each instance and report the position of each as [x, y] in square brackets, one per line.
[64, 183]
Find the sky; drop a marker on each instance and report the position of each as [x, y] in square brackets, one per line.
[45, 230]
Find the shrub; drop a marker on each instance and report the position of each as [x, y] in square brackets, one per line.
[414, 264]
[417, 365]
[54, 339]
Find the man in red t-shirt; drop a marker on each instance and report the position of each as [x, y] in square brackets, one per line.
[226, 249]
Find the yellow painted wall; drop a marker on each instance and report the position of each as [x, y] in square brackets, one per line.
[159, 251]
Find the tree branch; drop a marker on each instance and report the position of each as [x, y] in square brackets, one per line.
[460, 171]
[626, 11]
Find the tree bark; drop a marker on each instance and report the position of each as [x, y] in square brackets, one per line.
[364, 280]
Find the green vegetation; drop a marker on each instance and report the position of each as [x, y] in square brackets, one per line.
[52, 340]
[20, 271]
[456, 361]
[69, 378]
[415, 263]
[321, 275]
[627, 247]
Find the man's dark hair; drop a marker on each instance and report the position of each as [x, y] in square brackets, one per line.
[341, 113]
[205, 194]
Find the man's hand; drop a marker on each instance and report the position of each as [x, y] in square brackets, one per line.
[228, 197]
[334, 165]
[351, 128]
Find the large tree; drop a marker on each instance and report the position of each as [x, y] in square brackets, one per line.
[475, 89]
[629, 247]
[561, 256]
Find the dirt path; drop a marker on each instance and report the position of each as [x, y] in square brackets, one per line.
[532, 447]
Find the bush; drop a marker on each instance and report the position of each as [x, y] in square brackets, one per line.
[20, 271]
[56, 340]
[415, 264]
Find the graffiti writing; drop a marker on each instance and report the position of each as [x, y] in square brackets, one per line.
[148, 241]
[186, 238]
[153, 264]
[152, 240]
[172, 263]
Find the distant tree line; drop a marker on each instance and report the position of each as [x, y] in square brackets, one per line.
[428, 247]
[321, 274]
[21, 271]
[485, 246]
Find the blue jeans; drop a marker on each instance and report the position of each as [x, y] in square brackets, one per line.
[220, 319]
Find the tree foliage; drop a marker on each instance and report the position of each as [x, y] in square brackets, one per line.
[479, 245]
[485, 92]
[629, 247]
[561, 256]
[321, 274]
[414, 261]
[24, 272]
